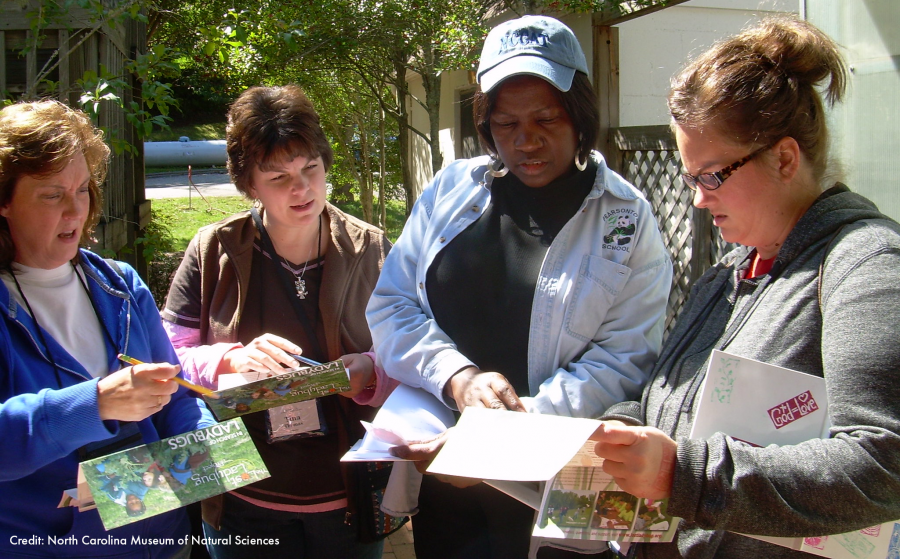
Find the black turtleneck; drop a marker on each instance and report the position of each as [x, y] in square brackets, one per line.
[481, 285]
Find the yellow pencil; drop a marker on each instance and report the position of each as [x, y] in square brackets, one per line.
[195, 387]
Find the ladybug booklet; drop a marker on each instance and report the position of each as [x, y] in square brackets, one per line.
[253, 392]
[151, 479]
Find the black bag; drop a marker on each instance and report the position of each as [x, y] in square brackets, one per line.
[370, 480]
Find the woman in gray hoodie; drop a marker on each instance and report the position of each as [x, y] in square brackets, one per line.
[814, 287]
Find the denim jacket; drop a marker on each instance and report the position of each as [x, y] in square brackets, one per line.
[599, 305]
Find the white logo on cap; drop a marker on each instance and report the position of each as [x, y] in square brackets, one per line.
[524, 38]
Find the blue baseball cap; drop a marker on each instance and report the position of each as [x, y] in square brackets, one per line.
[534, 45]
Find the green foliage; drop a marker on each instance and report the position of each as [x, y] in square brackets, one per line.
[157, 237]
[396, 216]
[617, 7]
[194, 131]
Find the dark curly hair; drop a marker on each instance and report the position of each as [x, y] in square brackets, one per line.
[267, 122]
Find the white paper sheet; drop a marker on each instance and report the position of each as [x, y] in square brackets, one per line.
[760, 403]
[408, 415]
[526, 492]
[513, 446]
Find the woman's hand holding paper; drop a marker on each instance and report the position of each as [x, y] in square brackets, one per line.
[482, 389]
[641, 459]
[361, 370]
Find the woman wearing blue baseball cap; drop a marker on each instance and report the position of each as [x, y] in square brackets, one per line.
[533, 279]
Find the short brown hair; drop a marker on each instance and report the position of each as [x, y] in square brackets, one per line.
[266, 122]
[580, 103]
[39, 138]
[760, 86]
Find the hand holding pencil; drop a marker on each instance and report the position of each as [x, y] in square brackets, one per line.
[137, 392]
[189, 385]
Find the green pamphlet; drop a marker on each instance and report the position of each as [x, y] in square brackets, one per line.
[296, 385]
[151, 479]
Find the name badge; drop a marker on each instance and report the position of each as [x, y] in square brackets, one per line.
[294, 421]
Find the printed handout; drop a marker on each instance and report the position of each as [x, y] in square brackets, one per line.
[761, 404]
[408, 415]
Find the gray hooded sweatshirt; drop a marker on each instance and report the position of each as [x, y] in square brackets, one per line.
[840, 321]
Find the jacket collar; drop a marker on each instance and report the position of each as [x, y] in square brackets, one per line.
[833, 209]
[605, 180]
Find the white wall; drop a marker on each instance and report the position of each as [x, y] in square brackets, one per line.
[655, 47]
[865, 128]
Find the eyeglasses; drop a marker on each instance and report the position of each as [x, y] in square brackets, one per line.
[712, 181]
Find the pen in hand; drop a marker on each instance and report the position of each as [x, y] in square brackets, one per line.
[178, 380]
[305, 360]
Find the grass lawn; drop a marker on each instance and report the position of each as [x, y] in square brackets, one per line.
[182, 221]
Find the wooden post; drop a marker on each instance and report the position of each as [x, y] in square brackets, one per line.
[65, 82]
[606, 81]
[30, 63]
[2, 62]
[701, 243]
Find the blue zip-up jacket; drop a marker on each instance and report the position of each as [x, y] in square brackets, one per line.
[599, 303]
[42, 426]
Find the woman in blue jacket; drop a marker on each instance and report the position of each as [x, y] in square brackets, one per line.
[66, 315]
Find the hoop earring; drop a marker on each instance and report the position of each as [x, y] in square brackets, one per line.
[499, 171]
[580, 165]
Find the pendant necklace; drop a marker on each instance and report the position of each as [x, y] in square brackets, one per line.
[299, 282]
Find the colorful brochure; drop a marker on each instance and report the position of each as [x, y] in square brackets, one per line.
[761, 404]
[147, 480]
[583, 502]
[296, 385]
[578, 502]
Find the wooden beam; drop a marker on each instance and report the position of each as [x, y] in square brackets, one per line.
[142, 210]
[30, 65]
[610, 16]
[3, 63]
[606, 80]
[112, 234]
[65, 85]
[17, 16]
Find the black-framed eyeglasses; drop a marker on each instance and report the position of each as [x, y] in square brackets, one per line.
[712, 181]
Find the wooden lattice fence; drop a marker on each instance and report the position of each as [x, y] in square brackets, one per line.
[80, 46]
[649, 159]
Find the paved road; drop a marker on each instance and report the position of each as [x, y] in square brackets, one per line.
[172, 185]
